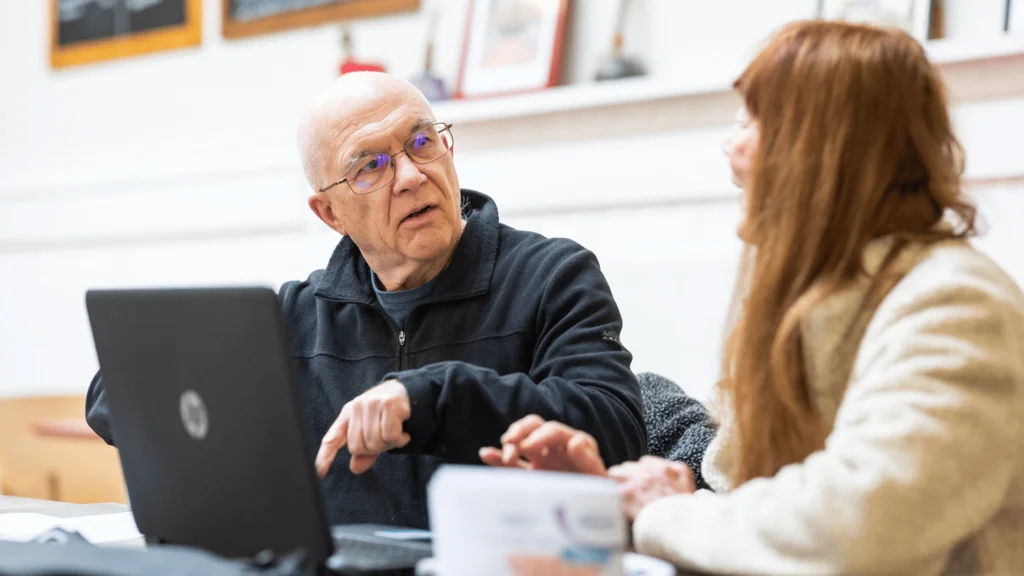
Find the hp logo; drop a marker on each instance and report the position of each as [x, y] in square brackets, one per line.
[193, 414]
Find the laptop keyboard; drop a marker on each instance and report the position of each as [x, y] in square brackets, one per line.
[357, 553]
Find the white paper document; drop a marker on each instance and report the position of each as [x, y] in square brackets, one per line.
[100, 529]
[504, 522]
[638, 565]
[632, 564]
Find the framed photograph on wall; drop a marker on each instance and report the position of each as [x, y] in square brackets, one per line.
[86, 31]
[511, 46]
[245, 18]
[913, 16]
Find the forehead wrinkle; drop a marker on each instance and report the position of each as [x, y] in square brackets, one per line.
[340, 110]
[343, 117]
[361, 148]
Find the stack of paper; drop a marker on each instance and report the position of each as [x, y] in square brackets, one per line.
[101, 529]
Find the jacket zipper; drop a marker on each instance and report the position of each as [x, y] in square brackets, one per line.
[402, 364]
[401, 333]
[401, 350]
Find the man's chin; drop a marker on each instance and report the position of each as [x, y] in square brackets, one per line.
[427, 247]
[428, 241]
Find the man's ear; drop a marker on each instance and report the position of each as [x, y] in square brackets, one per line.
[321, 206]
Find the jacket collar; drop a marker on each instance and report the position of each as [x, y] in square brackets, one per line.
[347, 276]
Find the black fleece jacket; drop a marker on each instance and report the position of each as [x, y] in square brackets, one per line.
[518, 324]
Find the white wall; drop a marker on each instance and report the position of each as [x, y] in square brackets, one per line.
[179, 169]
[233, 105]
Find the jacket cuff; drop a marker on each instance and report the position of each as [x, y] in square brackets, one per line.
[653, 522]
[422, 420]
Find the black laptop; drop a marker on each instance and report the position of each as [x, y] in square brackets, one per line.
[208, 418]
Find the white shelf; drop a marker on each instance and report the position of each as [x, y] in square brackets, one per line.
[593, 95]
[642, 91]
[968, 50]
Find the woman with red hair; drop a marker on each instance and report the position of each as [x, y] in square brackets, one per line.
[871, 405]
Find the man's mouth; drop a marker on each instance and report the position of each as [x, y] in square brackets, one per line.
[419, 212]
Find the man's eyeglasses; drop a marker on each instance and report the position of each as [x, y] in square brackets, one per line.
[377, 170]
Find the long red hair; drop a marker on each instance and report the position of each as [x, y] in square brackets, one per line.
[855, 143]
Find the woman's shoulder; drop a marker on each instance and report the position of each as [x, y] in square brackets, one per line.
[959, 271]
[951, 288]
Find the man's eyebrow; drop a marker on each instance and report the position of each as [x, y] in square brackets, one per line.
[358, 156]
[421, 124]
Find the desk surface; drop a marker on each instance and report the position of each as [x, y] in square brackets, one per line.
[65, 428]
[9, 504]
[68, 510]
[58, 509]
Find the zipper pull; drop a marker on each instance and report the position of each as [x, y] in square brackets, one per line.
[401, 338]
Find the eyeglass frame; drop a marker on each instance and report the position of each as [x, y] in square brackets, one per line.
[447, 127]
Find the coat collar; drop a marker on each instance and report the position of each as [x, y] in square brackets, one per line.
[347, 276]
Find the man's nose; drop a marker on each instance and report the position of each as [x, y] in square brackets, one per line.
[407, 174]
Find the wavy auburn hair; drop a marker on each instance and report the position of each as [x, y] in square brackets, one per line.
[855, 143]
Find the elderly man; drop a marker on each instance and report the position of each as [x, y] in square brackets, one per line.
[433, 326]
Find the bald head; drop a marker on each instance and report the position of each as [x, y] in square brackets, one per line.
[349, 101]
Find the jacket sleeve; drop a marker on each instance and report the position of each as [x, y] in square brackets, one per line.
[925, 445]
[580, 375]
[96, 412]
[678, 426]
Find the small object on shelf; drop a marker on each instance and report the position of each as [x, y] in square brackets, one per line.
[427, 81]
[617, 65]
[1014, 23]
[349, 63]
[913, 16]
[973, 19]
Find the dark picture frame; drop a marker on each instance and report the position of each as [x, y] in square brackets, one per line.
[86, 31]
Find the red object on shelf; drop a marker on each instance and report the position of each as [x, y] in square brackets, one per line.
[350, 65]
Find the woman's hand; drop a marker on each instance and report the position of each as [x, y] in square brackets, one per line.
[534, 444]
[649, 479]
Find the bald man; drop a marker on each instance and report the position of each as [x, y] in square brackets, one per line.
[433, 327]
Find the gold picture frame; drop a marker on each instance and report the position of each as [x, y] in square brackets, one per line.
[187, 34]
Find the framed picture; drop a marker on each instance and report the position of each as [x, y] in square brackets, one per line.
[244, 18]
[913, 16]
[86, 31]
[511, 46]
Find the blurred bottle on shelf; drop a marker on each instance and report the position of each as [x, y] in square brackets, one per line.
[349, 62]
[616, 64]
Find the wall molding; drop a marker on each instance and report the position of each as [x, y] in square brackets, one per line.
[308, 225]
[633, 205]
[47, 245]
[31, 191]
